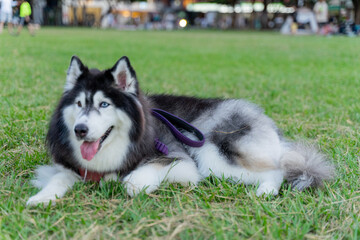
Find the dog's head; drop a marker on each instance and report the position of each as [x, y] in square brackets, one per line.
[101, 108]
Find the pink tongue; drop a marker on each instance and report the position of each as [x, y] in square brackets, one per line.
[89, 149]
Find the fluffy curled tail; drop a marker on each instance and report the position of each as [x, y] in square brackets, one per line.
[305, 166]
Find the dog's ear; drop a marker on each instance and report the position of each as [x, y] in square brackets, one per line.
[125, 76]
[75, 69]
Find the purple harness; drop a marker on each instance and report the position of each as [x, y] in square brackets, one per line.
[176, 125]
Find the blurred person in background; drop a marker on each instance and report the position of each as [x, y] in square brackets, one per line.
[25, 12]
[16, 15]
[321, 10]
[6, 14]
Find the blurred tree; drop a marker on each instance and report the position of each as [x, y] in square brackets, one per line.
[356, 4]
[231, 3]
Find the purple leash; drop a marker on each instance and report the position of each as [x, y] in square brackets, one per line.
[176, 124]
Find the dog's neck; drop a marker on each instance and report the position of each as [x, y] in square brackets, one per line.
[87, 175]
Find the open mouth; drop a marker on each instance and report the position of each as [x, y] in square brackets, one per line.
[89, 149]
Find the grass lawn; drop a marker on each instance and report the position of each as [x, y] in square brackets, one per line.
[308, 84]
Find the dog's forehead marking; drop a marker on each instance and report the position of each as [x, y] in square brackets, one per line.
[81, 97]
[99, 97]
[88, 96]
[88, 99]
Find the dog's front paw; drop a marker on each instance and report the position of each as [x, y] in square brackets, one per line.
[109, 177]
[267, 189]
[136, 182]
[41, 198]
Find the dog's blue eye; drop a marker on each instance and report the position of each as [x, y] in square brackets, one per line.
[104, 104]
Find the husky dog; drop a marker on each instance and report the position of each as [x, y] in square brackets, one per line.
[103, 129]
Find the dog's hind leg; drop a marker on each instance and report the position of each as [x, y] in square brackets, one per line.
[54, 186]
[148, 177]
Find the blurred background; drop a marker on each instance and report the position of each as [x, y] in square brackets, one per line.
[287, 16]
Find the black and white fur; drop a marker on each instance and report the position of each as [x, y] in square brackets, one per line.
[241, 142]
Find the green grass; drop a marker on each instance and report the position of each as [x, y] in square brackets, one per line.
[308, 84]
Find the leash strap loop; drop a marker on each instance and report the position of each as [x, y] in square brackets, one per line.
[176, 125]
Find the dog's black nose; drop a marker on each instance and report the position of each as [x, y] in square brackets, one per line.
[81, 130]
